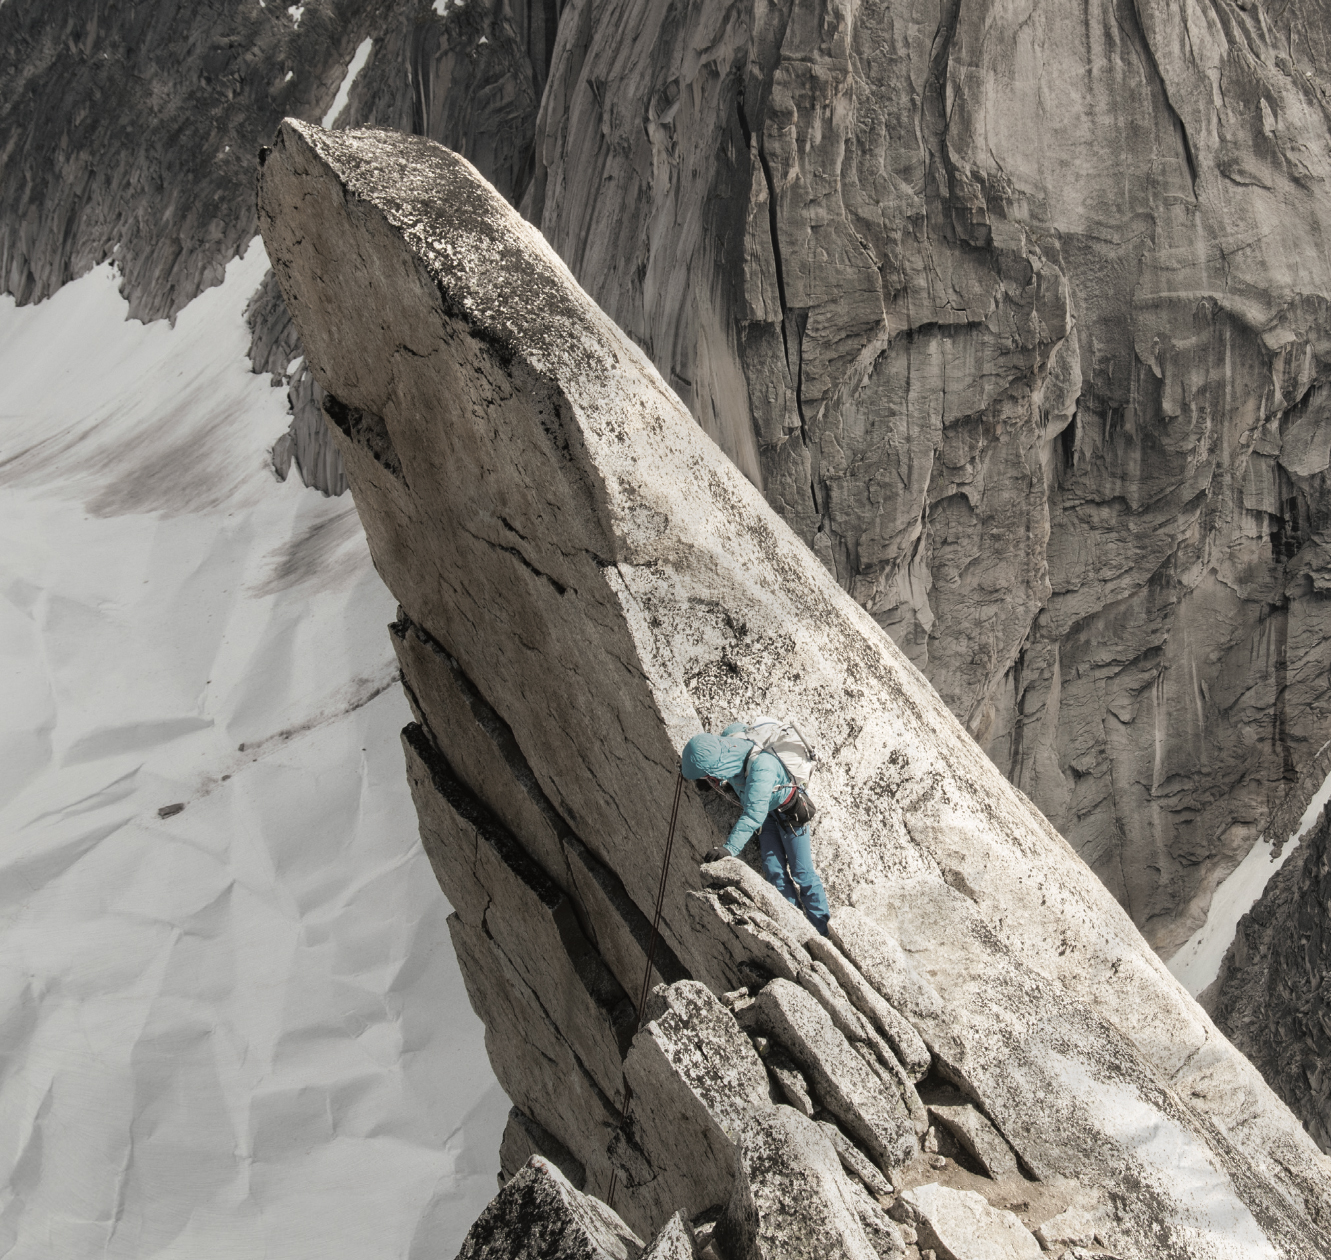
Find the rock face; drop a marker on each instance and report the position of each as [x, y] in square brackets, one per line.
[1018, 316]
[539, 1215]
[1270, 997]
[585, 581]
[959, 1224]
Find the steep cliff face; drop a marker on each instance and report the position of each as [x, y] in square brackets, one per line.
[585, 581]
[1270, 1000]
[1018, 315]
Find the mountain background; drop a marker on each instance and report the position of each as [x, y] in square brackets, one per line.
[1017, 313]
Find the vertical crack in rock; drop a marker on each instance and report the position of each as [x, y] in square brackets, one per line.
[598, 986]
[795, 372]
[933, 106]
[1148, 53]
[522, 412]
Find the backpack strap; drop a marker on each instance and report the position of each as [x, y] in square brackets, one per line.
[744, 769]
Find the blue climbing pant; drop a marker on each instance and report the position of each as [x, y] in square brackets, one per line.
[788, 864]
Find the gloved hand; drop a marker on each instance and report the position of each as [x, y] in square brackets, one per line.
[716, 854]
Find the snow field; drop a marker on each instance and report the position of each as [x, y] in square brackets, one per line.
[237, 1030]
[358, 60]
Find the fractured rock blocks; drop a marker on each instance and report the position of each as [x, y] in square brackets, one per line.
[843, 1081]
[983, 1142]
[791, 1200]
[696, 1080]
[539, 1215]
[958, 1224]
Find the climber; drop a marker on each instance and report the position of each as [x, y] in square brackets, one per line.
[762, 785]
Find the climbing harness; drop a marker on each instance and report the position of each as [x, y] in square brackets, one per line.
[651, 958]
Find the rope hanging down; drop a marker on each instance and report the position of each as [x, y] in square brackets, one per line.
[651, 958]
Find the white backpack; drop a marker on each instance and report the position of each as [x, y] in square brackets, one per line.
[786, 741]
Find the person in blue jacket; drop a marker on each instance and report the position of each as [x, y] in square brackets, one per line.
[787, 855]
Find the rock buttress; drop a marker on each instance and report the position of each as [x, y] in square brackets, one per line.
[606, 583]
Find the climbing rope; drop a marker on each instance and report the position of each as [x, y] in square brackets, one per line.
[651, 959]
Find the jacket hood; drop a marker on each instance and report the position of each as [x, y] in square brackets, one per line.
[718, 755]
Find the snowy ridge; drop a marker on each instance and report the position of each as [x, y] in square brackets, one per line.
[236, 1029]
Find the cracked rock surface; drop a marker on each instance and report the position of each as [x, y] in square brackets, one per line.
[539, 1215]
[595, 569]
[791, 1201]
[959, 1224]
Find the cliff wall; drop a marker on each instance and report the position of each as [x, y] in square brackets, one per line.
[1017, 313]
[1269, 998]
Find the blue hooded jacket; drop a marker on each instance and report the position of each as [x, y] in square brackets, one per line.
[722, 756]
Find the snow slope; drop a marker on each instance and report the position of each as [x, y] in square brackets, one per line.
[1197, 964]
[237, 1030]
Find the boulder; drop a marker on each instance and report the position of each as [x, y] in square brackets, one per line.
[790, 1081]
[525, 1137]
[1075, 1226]
[884, 1234]
[674, 1242]
[906, 1043]
[791, 1199]
[793, 927]
[538, 1215]
[854, 1161]
[696, 1080]
[819, 982]
[844, 1083]
[743, 945]
[960, 1225]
